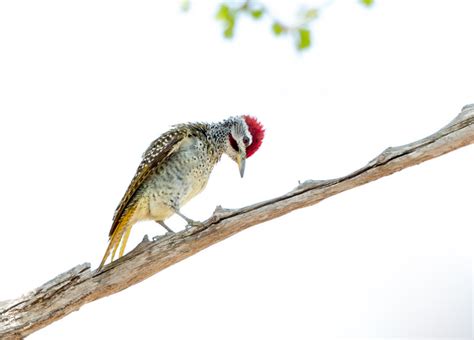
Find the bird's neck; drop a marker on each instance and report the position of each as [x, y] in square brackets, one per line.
[219, 134]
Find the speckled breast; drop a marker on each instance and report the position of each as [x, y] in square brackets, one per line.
[180, 178]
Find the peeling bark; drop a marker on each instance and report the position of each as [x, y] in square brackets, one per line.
[80, 285]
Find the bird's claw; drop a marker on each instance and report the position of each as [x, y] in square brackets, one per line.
[192, 223]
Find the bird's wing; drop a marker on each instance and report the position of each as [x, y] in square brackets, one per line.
[156, 153]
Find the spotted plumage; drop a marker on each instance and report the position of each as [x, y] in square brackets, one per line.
[176, 167]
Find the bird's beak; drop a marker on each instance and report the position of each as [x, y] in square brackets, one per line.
[241, 163]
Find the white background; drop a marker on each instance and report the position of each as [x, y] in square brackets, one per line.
[85, 86]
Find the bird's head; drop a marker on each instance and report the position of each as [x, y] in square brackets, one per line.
[245, 137]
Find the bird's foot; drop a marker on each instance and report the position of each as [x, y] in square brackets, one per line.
[192, 223]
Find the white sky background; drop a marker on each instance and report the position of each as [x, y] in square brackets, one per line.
[86, 86]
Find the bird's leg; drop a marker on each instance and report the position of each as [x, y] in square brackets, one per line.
[191, 223]
[168, 229]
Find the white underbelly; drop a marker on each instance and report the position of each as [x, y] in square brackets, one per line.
[159, 210]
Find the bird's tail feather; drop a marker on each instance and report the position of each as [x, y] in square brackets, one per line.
[120, 235]
[124, 240]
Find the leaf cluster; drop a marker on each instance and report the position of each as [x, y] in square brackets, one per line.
[228, 14]
[230, 11]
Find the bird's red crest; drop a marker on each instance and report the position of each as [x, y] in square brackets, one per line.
[257, 131]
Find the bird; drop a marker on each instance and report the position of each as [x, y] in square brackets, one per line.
[175, 168]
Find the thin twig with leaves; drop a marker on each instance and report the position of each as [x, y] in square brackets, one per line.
[229, 13]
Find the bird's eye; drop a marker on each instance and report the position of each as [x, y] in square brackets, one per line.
[246, 140]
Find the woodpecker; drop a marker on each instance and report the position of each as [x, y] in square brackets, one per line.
[175, 168]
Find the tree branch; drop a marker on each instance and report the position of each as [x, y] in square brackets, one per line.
[71, 290]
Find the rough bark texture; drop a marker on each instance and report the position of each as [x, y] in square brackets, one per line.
[69, 291]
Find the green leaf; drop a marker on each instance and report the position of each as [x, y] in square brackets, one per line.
[304, 39]
[311, 14]
[278, 28]
[223, 13]
[229, 30]
[367, 3]
[227, 16]
[257, 13]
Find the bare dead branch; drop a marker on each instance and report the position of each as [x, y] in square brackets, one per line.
[69, 291]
